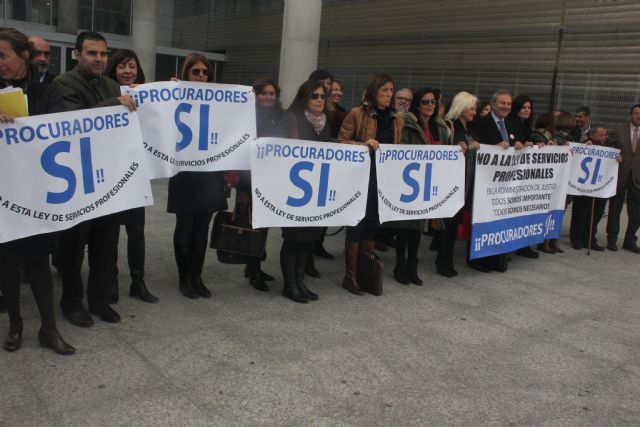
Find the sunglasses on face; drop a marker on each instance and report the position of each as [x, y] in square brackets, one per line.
[197, 71]
[428, 101]
[322, 96]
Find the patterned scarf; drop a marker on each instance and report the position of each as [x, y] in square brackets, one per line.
[318, 121]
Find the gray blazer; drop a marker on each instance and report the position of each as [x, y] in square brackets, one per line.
[630, 159]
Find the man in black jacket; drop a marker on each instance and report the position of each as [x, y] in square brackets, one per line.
[41, 59]
[86, 87]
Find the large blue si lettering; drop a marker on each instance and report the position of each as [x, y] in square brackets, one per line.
[184, 130]
[414, 184]
[49, 165]
[301, 183]
[587, 172]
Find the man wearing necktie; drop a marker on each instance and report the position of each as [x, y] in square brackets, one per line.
[628, 185]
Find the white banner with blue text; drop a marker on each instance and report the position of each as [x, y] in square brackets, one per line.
[303, 183]
[518, 197]
[58, 170]
[189, 126]
[419, 181]
[594, 171]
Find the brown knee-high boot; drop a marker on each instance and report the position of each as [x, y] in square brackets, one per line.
[350, 282]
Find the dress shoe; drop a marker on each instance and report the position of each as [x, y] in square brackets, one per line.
[320, 251]
[199, 287]
[446, 272]
[527, 252]
[78, 317]
[555, 247]
[596, 247]
[105, 313]
[612, 247]
[258, 283]
[54, 341]
[264, 276]
[139, 289]
[400, 274]
[14, 338]
[631, 247]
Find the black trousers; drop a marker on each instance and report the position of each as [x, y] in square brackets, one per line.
[133, 221]
[632, 194]
[581, 219]
[101, 235]
[190, 238]
[39, 278]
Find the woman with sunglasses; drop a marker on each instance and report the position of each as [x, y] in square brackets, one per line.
[124, 67]
[16, 71]
[309, 121]
[372, 123]
[194, 197]
[423, 126]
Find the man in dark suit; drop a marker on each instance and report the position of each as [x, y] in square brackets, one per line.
[580, 133]
[626, 140]
[41, 59]
[495, 129]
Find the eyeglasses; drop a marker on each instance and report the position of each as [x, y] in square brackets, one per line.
[197, 71]
[322, 96]
[402, 98]
[428, 101]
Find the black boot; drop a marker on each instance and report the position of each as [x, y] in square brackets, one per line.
[310, 268]
[301, 261]
[255, 278]
[412, 272]
[288, 266]
[184, 271]
[139, 289]
[197, 262]
[264, 276]
[14, 339]
[318, 247]
[54, 341]
[400, 273]
[400, 270]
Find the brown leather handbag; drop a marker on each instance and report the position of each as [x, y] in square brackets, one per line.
[236, 242]
[370, 274]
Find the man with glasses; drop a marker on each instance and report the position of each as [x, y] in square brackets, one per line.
[41, 59]
[86, 87]
[403, 100]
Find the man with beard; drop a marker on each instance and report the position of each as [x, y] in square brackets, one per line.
[41, 59]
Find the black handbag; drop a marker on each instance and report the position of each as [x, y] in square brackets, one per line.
[236, 242]
[370, 274]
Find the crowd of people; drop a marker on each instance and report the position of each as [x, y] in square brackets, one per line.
[385, 115]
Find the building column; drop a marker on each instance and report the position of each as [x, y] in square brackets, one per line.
[144, 26]
[68, 17]
[299, 49]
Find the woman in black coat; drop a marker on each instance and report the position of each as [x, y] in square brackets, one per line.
[309, 121]
[194, 197]
[271, 121]
[124, 67]
[34, 251]
[521, 116]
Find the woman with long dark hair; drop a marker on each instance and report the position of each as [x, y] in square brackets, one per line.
[309, 118]
[521, 116]
[194, 197]
[372, 123]
[124, 67]
[15, 55]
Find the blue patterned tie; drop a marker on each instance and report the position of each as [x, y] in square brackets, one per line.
[503, 131]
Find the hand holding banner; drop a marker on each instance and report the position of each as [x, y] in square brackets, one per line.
[518, 198]
[302, 183]
[419, 181]
[58, 170]
[190, 126]
[594, 171]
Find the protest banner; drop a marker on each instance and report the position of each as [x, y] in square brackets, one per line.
[189, 126]
[519, 197]
[419, 181]
[58, 170]
[594, 171]
[303, 183]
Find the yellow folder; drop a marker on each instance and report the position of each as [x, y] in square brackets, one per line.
[14, 102]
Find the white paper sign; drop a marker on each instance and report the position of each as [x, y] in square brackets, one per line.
[303, 183]
[594, 171]
[190, 126]
[58, 170]
[419, 181]
[518, 197]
